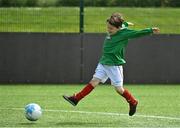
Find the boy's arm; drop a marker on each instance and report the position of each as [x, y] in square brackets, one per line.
[127, 24]
[135, 34]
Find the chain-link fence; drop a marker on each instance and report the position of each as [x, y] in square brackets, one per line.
[63, 19]
[51, 16]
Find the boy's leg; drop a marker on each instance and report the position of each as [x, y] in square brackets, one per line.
[84, 92]
[115, 73]
[99, 76]
[87, 89]
[129, 98]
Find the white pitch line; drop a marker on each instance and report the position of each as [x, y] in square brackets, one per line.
[100, 113]
[114, 114]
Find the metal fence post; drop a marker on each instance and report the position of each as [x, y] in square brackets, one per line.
[81, 20]
[81, 31]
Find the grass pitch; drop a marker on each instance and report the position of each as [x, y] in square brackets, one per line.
[159, 106]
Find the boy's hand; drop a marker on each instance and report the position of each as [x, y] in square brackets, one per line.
[155, 30]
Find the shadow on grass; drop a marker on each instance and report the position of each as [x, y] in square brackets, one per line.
[83, 124]
[27, 124]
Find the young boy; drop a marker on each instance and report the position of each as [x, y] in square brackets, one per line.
[112, 60]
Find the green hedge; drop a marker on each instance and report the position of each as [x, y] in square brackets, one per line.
[125, 3]
[28, 3]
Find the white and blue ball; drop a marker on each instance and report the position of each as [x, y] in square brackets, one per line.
[33, 111]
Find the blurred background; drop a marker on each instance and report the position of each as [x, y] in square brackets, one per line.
[60, 41]
[63, 15]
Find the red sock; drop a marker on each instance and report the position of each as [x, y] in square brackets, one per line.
[129, 98]
[85, 91]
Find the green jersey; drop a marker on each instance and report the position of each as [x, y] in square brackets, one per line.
[114, 45]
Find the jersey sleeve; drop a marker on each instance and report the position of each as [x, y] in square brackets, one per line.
[130, 34]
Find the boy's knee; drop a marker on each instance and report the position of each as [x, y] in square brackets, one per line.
[94, 82]
[119, 90]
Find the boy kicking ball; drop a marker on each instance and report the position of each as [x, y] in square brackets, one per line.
[112, 60]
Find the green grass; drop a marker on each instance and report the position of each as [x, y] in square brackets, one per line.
[66, 19]
[157, 100]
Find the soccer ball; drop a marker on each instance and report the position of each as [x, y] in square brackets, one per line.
[33, 112]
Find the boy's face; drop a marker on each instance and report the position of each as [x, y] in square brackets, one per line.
[111, 29]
